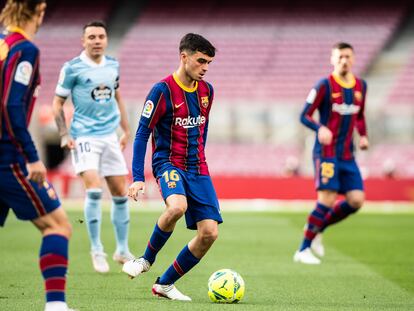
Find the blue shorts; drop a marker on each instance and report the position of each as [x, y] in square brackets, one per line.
[202, 200]
[27, 200]
[337, 175]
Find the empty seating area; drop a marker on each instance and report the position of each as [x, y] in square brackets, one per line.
[59, 39]
[272, 53]
[403, 90]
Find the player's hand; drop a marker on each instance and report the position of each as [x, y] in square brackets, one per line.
[123, 140]
[363, 143]
[37, 172]
[325, 135]
[67, 142]
[135, 189]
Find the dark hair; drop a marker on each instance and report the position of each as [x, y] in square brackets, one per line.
[342, 45]
[95, 24]
[195, 43]
[17, 12]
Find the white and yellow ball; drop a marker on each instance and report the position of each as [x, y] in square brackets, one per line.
[225, 286]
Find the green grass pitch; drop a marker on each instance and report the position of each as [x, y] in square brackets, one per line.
[369, 265]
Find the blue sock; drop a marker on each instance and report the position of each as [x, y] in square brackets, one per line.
[53, 261]
[93, 216]
[182, 264]
[120, 220]
[156, 242]
[315, 224]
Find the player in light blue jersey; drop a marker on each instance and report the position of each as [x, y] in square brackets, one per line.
[92, 79]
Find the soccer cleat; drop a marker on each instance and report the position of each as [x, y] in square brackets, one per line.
[135, 267]
[99, 262]
[317, 246]
[306, 257]
[168, 291]
[122, 258]
[58, 306]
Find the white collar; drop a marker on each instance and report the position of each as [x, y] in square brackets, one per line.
[90, 62]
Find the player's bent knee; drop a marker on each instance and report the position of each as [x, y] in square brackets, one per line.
[177, 212]
[356, 203]
[209, 236]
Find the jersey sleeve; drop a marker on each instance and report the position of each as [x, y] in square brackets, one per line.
[313, 102]
[361, 123]
[154, 107]
[66, 81]
[16, 112]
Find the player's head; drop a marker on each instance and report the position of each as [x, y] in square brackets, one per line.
[21, 12]
[342, 58]
[95, 39]
[196, 53]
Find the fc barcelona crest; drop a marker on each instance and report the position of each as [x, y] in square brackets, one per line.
[358, 95]
[204, 101]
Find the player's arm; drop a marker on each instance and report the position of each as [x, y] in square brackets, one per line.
[154, 109]
[361, 123]
[15, 113]
[124, 120]
[58, 112]
[63, 90]
[313, 102]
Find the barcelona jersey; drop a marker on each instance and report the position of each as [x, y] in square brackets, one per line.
[19, 82]
[341, 109]
[177, 117]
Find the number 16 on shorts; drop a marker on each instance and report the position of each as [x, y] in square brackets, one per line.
[171, 183]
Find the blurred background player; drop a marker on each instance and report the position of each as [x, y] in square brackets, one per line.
[23, 185]
[340, 100]
[93, 81]
[176, 113]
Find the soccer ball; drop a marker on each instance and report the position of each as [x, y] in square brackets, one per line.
[225, 286]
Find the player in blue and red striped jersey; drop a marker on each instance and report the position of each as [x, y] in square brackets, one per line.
[340, 100]
[176, 112]
[23, 185]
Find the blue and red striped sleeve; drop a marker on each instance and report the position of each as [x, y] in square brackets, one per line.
[22, 69]
[313, 102]
[154, 109]
[360, 122]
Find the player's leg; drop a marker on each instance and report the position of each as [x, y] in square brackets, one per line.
[352, 185]
[40, 204]
[114, 168]
[315, 223]
[93, 218]
[120, 217]
[86, 159]
[176, 206]
[56, 231]
[203, 214]
[327, 185]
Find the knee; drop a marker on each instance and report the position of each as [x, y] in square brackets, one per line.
[208, 236]
[176, 212]
[356, 201]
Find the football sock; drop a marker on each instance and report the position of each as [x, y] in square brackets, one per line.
[156, 242]
[53, 261]
[315, 223]
[182, 264]
[120, 220]
[339, 212]
[93, 217]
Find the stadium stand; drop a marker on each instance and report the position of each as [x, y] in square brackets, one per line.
[403, 90]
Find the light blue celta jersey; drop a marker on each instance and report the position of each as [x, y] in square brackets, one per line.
[92, 87]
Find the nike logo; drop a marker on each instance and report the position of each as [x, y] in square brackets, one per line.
[336, 95]
[178, 106]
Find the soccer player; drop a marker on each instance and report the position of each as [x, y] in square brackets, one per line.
[340, 100]
[93, 81]
[23, 185]
[176, 112]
